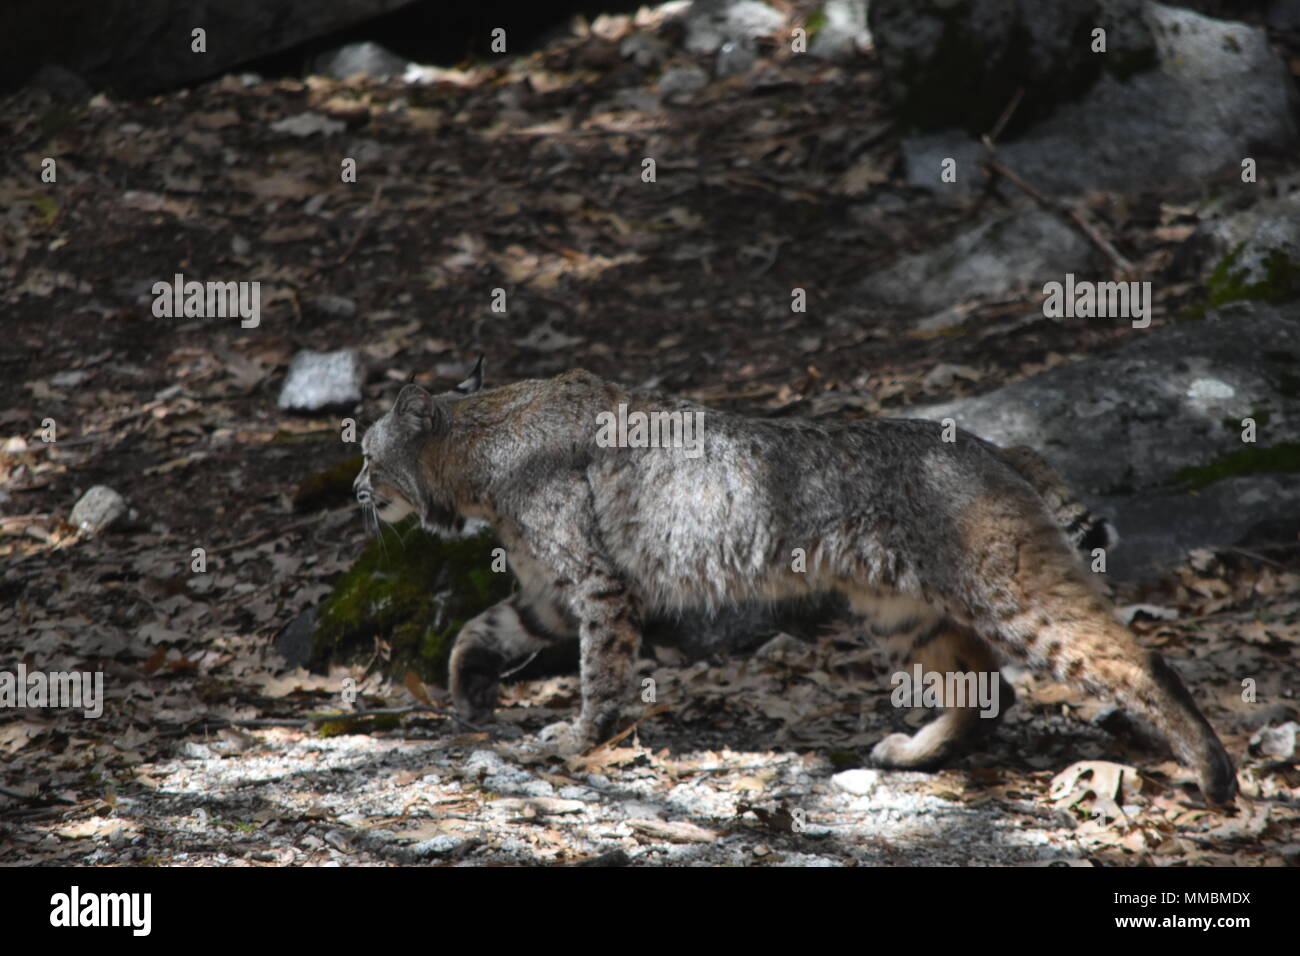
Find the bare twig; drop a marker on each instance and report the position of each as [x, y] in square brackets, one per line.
[992, 136]
[1088, 229]
[366, 215]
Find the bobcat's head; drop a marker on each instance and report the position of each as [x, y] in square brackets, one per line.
[392, 484]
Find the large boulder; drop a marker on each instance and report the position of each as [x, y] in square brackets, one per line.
[1152, 434]
[1012, 252]
[958, 63]
[139, 47]
[1217, 94]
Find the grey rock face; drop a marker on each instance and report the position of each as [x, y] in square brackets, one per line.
[1139, 432]
[958, 63]
[1157, 530]
[318, 381]
[1170, 400]
[139, 47]
[1218, 90]
[1018, 250]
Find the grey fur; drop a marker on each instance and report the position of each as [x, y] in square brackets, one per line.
[954, 550]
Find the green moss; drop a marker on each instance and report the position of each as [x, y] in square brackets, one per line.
[359, 724]
[1248, 461]
[844, 759]
[1228, 282]
[815, 23]
[414, 592]
[47, 207]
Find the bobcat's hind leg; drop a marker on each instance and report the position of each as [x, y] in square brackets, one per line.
[506, 635]
[1034, 602]
[972, 695]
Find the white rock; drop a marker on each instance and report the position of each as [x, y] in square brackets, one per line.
[860, 783]
[320, 380]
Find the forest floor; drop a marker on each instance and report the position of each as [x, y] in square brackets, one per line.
[523, 175]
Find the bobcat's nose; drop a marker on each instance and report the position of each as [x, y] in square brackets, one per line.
[361, 486]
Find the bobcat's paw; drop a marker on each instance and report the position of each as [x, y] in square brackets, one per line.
[473, 685]
[894, 752]
[563, 737]
[919, 751]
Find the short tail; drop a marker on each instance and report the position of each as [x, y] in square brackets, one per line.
[1086, 530]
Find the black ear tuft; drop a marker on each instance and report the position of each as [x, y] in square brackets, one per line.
[475, 380]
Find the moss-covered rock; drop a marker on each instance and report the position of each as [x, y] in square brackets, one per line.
[414, 592]
[1278, 459]
[1275, 279]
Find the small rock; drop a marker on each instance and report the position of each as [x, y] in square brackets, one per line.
[360, 59]
[673, 831]
[318, 381]
[1276, 742]
[442, 843]
[781, 647]
[308, 124]
[735, 57]
[944, 374]
[860, 783]
[844, 34]
[339, 306]
[644, 49]
[98, 510]
[69, 379]
[710, 25]
[542, 806]
[1268, 714]
[682, 81]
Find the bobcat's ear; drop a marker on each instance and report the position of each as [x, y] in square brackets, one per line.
[475, 380]
[416, 409]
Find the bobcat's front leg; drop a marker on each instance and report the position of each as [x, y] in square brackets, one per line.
[609, 629]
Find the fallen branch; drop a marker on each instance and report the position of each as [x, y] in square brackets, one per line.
[995, 165]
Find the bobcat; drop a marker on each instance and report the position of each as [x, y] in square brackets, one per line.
[949, 551]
